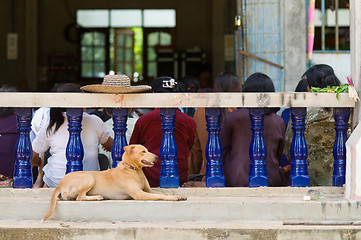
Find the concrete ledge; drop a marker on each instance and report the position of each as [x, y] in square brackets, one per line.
[203, 205]
[269, 192]
[174, 231]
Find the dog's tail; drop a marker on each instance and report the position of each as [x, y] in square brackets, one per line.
[53, 201]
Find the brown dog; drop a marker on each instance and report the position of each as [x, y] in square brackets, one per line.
[126, 181]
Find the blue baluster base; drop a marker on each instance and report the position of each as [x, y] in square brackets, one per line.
[22, 182]
[215, 182]
[300, 181]
[338, 181]
[169, 182]
[258, 182]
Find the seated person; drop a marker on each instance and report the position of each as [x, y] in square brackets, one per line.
[148, 132]
[319, 130]
[197, 162]
[8, 138]
[236, 137]
[131, 120]
[55, 136]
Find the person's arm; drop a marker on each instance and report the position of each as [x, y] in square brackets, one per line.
[108, 144]
[39, 183]
[195, 159]
[36, 160]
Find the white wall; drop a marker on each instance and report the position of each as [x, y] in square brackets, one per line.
[340, 62]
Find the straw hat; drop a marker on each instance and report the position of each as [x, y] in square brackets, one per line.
[115, 84]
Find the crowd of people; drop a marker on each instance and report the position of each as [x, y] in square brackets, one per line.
[50, 135]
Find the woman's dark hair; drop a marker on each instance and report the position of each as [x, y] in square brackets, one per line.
[191, 83]
[167, 84]
[258, 82]
[301, 86]
[56, 114]
[7, 111]
[227, 82]
[321, 75]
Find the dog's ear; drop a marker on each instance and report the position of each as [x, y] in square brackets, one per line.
[128, 148]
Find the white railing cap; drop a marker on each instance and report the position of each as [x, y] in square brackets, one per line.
[152, 100]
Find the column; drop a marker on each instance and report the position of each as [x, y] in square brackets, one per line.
[169, 177]
[341, 116]
[257, 150]
[23, 177]
[74, 150]
[120, 116]
[214, 153]
[299, 172]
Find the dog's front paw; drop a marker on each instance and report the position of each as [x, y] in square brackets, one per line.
[99, 198]
[181, 198]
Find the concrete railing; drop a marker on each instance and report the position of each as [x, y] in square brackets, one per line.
[75, 102]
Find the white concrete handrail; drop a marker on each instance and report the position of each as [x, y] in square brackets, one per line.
[164, 100]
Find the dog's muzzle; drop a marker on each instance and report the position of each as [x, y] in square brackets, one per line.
[149, 162]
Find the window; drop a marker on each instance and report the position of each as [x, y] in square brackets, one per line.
[155, 39]
[124, 52]
[159, 18]
[94, 54]
[332, 25]
[123, 41]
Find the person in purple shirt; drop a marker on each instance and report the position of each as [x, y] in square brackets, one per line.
[236, 138]
[8, 137]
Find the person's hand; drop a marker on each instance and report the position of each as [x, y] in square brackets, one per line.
[194, 184]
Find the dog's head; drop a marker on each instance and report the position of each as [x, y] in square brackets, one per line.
[138, 156]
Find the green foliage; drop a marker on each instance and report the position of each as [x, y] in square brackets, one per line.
[343, 88]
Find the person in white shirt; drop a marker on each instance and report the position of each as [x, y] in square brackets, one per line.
[55, 136]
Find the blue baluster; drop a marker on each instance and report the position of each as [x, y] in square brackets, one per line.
[341, 116]
[74, 149]
[120, 116]
[169, 177]
[214, 172]
[257, 150]
[299, 173]
[23, 176]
